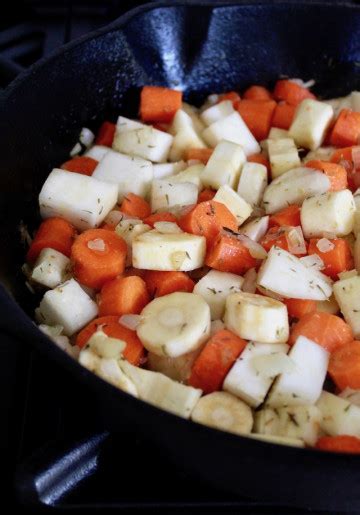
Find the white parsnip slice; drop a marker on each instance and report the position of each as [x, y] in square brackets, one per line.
[347, 294]
[339, 416]
[311, 120]
[224, 165]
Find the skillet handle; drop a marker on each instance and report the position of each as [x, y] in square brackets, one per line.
[57, 469]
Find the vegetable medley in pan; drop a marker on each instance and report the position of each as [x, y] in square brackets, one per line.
[206, 260]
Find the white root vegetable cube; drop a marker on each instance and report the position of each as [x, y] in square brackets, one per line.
[162, 392]
[283, 156]
[224, 165]
[193, 112]
[252, 183]
[293, 187]
[97, 152]
[51, 268]
[180, 120]
[332, 212]
[129, 229]
[156, 251]
[258, 318]
[339, 416]
[276, 133]
[293, 422]
[214, 287]
[312, 118]
[285, 275]
[244, 380]
[223, 411]
[84, 201]
[232, 128]
[145, 142]
[178, 369]
[217, 112]
[185, 139]
[256, 228]
[191, 174]
[234, 202]
[130, 174]
[127, 125]
[347, 294]
[174, 324]
[303, 384]
[163, 170]
[69, 306]
[166, 194]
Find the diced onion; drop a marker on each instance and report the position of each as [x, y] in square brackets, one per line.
[130, 321]
[271, 365]
[75, 150]
[313, 261]
[249, 284]
[255, 249]
[97, 244]
[325, 245]
[167, 227]
[86, 137]
[115, 217]
[295, 240]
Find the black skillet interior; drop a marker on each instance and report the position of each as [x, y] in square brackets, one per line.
[203, 49]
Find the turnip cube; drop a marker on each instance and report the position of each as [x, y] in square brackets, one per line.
[312, 118]
[224, 165]
[256, 228]
[244, 380]
[69, 306]
[166, 194]
[304, 383]
[51, 268]
[166, 169]
[285, 275]
[97, 152]
[232, 128]
[127, 125]
[185, 139]
[252, 183]
[84, 201]
[332, 212]
[130, 174]
[234, 202]
[258, 318]
[293, 187]
[347, 294]
[214, 287]
[145, 142]
[192, 174]
[217, 112]
[339, 416]
[283, 156]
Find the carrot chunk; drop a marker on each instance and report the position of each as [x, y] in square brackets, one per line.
[81, 164]
[123, 295]
[134, 351]
[131, 271]
[163, 283]
[232, 96]
[339, 259]
[206, 194]
[346, 130]
[201, 154]
[339, 443]
[278, 236]
[291, 92]
[257, 93]
[207, 219]
[297, 308]
[160, 217]
[283, 116]
[257, 115]
[261, 159]
[53, 233]
[159, 104]
[134, 205]
[215, 360]
[288, 216]
[98, 256]
[229, 254]
[329, 331]
[342, 154]
[106, 134]
[344, 366]
[336, 173]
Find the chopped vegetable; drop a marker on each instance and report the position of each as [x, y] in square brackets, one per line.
[163, 283]
[257, 114]
[135, 206]
[340, 443]
[54, 233]
[159, 104]
[123, 295]
[336, 255]
[106, 134]
[230, 254]
[83, 164]
[346, 131]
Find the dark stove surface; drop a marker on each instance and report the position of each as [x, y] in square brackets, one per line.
[55, 454]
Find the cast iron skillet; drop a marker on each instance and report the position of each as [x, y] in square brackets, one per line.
[202, 48]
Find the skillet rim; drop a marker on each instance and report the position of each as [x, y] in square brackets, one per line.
[54, 353]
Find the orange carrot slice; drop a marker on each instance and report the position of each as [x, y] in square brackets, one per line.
[159, 104]
[289, 216]
[297, 308]
[337, 260]
[346, 130]
[82, 164]
[136, 206]
[344, 366]
[291, 92]
[336, 173]
[123, 295]
[163, 283]
[283, 116]
[106, 134]
[340, 443]
[257, 93]
[53, 233]
[257, 114]
[229, 254]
